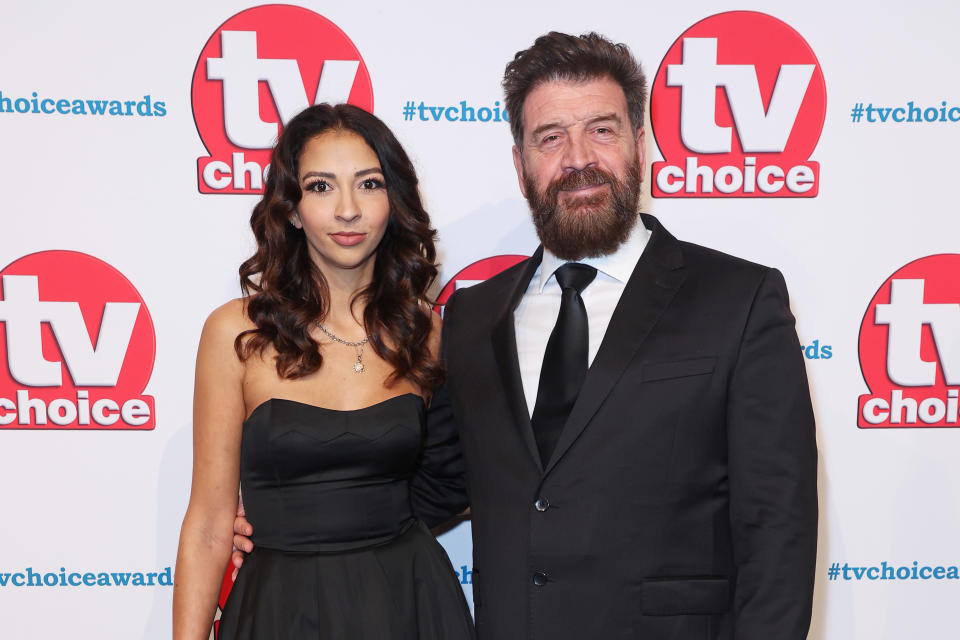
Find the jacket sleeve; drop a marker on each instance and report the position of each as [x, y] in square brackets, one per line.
[438, 490]
[773, 473]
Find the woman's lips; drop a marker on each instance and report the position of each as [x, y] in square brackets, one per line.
[347, 239]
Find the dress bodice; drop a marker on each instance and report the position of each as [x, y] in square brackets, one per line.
[316, 479]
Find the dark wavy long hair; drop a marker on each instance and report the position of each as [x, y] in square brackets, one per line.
[287, 293]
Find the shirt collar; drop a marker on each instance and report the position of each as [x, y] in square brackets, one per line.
[618, 265]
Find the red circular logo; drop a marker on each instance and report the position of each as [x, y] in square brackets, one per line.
[737, 107]
[476, 273]
[910, 347]
[78, 344]
[258, 70]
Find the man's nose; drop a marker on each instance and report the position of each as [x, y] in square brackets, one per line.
[579, 153]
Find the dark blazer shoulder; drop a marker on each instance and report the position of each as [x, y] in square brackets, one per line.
[672, 252]
[496, 285]
[702, 264]
[698, 256]
[727, 272]
[491, 294]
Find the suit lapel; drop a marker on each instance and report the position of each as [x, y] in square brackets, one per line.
[652, 285]
[504, 340]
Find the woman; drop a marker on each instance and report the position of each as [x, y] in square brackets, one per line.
[310, 393]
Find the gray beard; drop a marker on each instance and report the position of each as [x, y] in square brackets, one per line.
[590, 226]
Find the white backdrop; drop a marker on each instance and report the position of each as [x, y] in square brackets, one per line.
[123, 189]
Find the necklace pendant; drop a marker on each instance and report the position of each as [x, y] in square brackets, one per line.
[358, 367]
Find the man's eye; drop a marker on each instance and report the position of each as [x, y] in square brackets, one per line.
[550, 139]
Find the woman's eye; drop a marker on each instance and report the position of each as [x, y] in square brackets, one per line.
[371, 183]
[320, 186]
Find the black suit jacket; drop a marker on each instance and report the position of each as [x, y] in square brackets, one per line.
[680, 501]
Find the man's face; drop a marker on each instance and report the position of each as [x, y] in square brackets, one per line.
[581, 166]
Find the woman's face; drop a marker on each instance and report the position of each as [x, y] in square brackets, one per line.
[343, 209]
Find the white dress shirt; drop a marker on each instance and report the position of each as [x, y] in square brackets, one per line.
[537, 312]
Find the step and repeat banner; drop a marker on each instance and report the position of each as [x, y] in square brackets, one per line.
[816, 137]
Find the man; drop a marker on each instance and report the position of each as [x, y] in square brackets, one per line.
[637, 427]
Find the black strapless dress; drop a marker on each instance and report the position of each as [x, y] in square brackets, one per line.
[340, 502]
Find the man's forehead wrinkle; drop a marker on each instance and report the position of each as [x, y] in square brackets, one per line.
[572, 104]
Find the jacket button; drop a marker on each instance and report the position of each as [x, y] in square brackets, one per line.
[539, 578]
[542, 504]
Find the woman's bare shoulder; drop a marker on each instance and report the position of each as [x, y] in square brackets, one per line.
[228, 320]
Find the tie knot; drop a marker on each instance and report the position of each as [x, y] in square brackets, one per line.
[574, 275]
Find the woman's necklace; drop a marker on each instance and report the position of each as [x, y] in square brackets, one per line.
[358, 365]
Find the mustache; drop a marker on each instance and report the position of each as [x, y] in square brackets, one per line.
[576, 179]
[589, 177]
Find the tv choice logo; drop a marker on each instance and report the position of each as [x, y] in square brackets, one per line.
[476, 273]
[259, 69]
[909, 347]
[77, 346]
[737, 107]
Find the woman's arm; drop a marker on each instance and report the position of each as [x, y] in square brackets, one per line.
[205, 537]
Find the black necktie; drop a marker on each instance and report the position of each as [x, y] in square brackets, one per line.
[565, 361]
